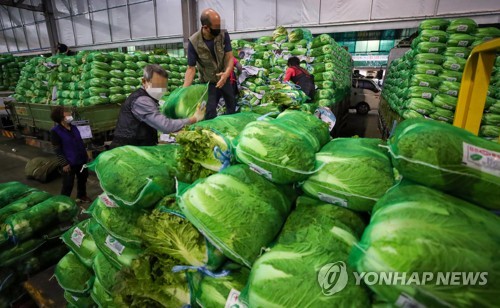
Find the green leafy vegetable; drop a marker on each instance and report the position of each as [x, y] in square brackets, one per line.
[415, 229]
[438, 155]
[182, 102]
[258, 201]
[79, 240]
[72, 275]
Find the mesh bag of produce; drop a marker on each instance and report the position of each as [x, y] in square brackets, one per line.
[424, 80]
[25, 224]
[182, 103]
[280, 152]
[434, 24]
[429, 69]
[136, 177]
[443, 115]
[447, 158]
[241, 242]
[11, 191]
[30, 199]
[77, 300]
[462, 25]
[429, 58]
[73, 276]
[415, 229]
[105, 272]
[337, 182]
[437, 36]
[445, 101]
[422, 92]
[81, 243]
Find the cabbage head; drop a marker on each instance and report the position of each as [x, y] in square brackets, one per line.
[316, 234]
[447, 158]
[415, 229]
[238, 211]
[356, 173]
[182, 102]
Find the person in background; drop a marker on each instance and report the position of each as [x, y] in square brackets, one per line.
[140, 119]
[300, 77]
[234, 76]
[210, 52]
[71, 153]
[64, 49]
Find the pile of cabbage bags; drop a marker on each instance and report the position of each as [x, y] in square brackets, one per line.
[426, 81]
[10, 71]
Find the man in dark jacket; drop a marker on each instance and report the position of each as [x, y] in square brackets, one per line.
[210, 52]
[140, 119]
[300, 77]
[71, 153]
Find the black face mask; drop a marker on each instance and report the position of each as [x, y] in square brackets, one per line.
[214, 32]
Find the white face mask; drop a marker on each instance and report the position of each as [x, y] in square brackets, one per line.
[68, 119]
[156, 93]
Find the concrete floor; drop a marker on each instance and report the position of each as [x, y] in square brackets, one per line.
[14, 154]
[361, 125]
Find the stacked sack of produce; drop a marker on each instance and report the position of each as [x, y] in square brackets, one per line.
[38, 77]
[97, 77]
[426, 81]
[265, 61]
[30, 223]
[432, 232]
[490, 124]
[126, 254]
[10, 71]
[69, 85]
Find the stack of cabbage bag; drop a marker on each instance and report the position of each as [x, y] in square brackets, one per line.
[10, 71]
[263, 92]
[490, 125]
[433, 221]
[126, 254]
[30, 223]
[426, 81]
[69, 86]
[38, 77]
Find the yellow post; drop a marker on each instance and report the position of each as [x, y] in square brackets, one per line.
[474, 88]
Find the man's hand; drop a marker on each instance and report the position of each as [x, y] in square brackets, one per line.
[222, 81]
[199, 115]
[67, 168]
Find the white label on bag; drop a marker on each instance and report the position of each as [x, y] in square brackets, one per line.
[429, 61]
[452, 92]
[462, 28]
[447, 107]
[430, 72]
[427, 95]
[107, 201]
[406, 301]
[463, 43]
[233, 300]
[332, 199]
[451, 79]
[261, 171]
[434, 39]
[423, 84]
[114, 245]
[77, 237]
[433, 50]
[435, 28]
[481, 159]
[455, 66]
[460, 55]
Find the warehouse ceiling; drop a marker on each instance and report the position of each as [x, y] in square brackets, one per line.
[87, 24]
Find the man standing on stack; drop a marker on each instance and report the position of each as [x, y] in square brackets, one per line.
[210, 52]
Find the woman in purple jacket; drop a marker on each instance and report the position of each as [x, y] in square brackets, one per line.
[71, 152]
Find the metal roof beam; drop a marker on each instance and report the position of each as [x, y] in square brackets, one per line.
[19, 4]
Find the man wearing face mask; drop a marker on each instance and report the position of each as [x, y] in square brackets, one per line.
[71, 153]
[140, 119]
[210, 52]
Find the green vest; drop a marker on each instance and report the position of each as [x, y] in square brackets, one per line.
[207, 66]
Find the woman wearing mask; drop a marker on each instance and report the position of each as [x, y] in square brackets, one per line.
[70, 150]
[140, 119]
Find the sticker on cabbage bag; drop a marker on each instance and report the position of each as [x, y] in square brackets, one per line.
[406, 301]
[462, 28]
[463, 43]
[259, 170]
[107, 201]
[453, 79]
[327, 116]
[77, 237]
[452, 92]
[114, 245]
[423, 84]
[455, 66]
[233, 300]
[427, 95]
[332, 199]
[433, 50]
[434, 39]
[460, 55]
[481, 159]
[430, 72]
